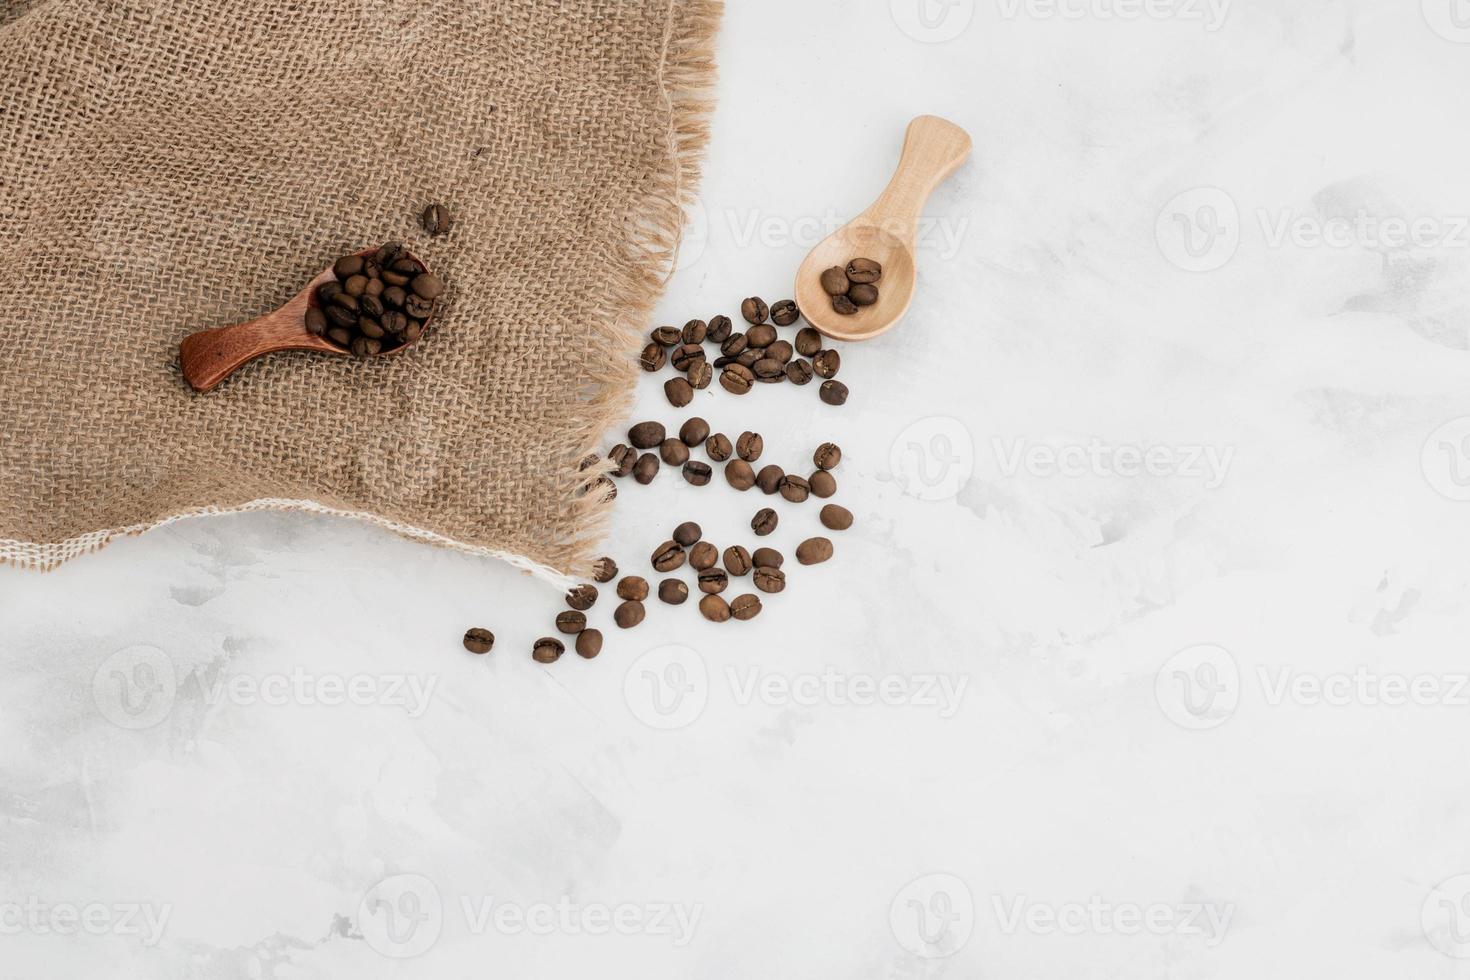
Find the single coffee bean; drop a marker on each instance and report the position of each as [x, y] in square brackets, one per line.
[713, 580]
[844, 305]
[478, 640]
[340, 316]
[822, 483]
[624, 457]
[369, 327]
[864, 271]
[646, 435]
[394, 297]
[388, 253]
[437, 220]
[316, 322]
[718, 447]
[418, 307]
[737, 560]
[736, 379]
[629, 614]
[668, 556]
[346, 301]
[652, 358]
[399, 279]
[714, 608]
[703, 555]
[673, 591]
[768, 579]
[834, 392]
[750, 446]
[604, 488]
[764, 522]
[799, 371]
[827, 456]
[686, 355]
[347, 266]
[679, 392]
[719, 329]
[863, 295]
[734, 345]
[767, 558]
[722, 362]
[745, 607]
[699, 375]
[674, 452]
[582, 597]
[646, 469]
[371, 305]
[366, 346]
[775, 378]
[694, 431]
[697, 473]
[665, 336]
[835, 281]
[784, 312]
[768, 369]
[761, 335]
[571, 622]
[748, 358]
[836, 517]
[427, 285]
[814, 551]
[781, 351]
[547, 650]
[795, 488]
[688, 533]
[604, 569]
[769, 478]
[589, 643]
[340, 336]
[754, 310]
[395, 323]
[808, 341]
[328, 291]
[827, 363]
[374, 272]
[694, 332]
[633, 587]
[739, 474]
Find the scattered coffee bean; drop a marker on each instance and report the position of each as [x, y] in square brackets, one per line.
[814, 551]
[863, 295]
[674, 452]
[769, 580]
[712, 580]
[668, 556]
[426, 285]
[437, 220]
[714, 608]
[666, 336]
[633, 587]
[547, 650]
[784, 313]
[697, 473]
[822, 483]
[739, 474]
[646, 435]
[646, 468]
[718, 447]
[604, 570]
[686, 355]
[694, 431]
[652, 359]
[699, 375]
[844, 305]
[835, 281]
[769, 478]
[737, 560]
[767, 558]
[589, 643]
[749, 446]
[625, 457]
[356, 310]
[673, 591]
[768, 369]
[703, 555]
[762, 335]
[719, 329]
[834, 392]
[736, 379]
[688, 533]
[748, 358]
[795, 488]
[478, 640]
[629, 614]
[571, 622]
[694, 332]
[679, 392]
[764, 521]
[799, 372]
[781, 351]
[754, 310]
[745, 607]
[582, 597]
[734, 345]
[836, 517]
[808, 341]
[827, 456]
[864, 271]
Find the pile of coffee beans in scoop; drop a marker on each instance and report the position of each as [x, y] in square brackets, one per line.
[376, 303]
[853, 287]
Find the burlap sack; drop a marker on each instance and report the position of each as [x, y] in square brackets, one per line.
[172, 165]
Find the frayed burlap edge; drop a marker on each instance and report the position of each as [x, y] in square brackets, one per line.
[648, 246]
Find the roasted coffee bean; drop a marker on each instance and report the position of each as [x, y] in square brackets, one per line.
[713, 580]
[674, 452]
[646, 469]
[685, 355]
[863, 295]
[571, 622]
[808, 341]
[697, 473]
[827, 363]
[316, 322]
[814, 551]
[328, 291]
[784, 313]
[827, 456]
[734, 345]
[679, 392]
[348, 266]
[688, 533]
[780, 351]
[346, 301]
[844, 305]
[754, 310]
[744, 607]
[775, 379]
[625, 457]
[668, 556]
[547, 650]
[396, 323]
[719, 329]
[633, 587]
[582, 597]
[340, 316]
[767, 369]
[394, 297]
[767, 558]
[665, 336]
[749, 446]
[737, 560]
[399, 279]
[718, 447]
[694, 431]
[864, 271]
[604, 569]
[799, 371]
[795, 488]
[769, 478]
[736, 379]
[769, 579]
[427, 285]
[652, 358]
[762, 335]
[418, 307]
[374, 272]
[369, 327]
[388, 253]
[589, 643]
[437, 220]
[673, 591]
[340, 336]
[700, 374]
[822, 483]
[834, 392]
[749, 356]
[764, 522]
[739, 474]
[605, 487]
[629, 614]
[836, 517]
[646, 435]
[703, 555]
[722, 362]
[714, 608]
[694, 332]
[371, 305]
[478, 640]
[835, 281]
[366, 346]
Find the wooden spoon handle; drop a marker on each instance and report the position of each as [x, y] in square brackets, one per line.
[210, 356]
[933, 148]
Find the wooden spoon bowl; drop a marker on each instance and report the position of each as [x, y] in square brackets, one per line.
[208, 357]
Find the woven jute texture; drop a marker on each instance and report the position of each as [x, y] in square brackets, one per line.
[172, 165]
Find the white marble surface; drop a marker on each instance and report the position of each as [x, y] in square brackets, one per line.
[1202, 717]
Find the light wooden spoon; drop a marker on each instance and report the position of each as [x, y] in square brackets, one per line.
[887, 232]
